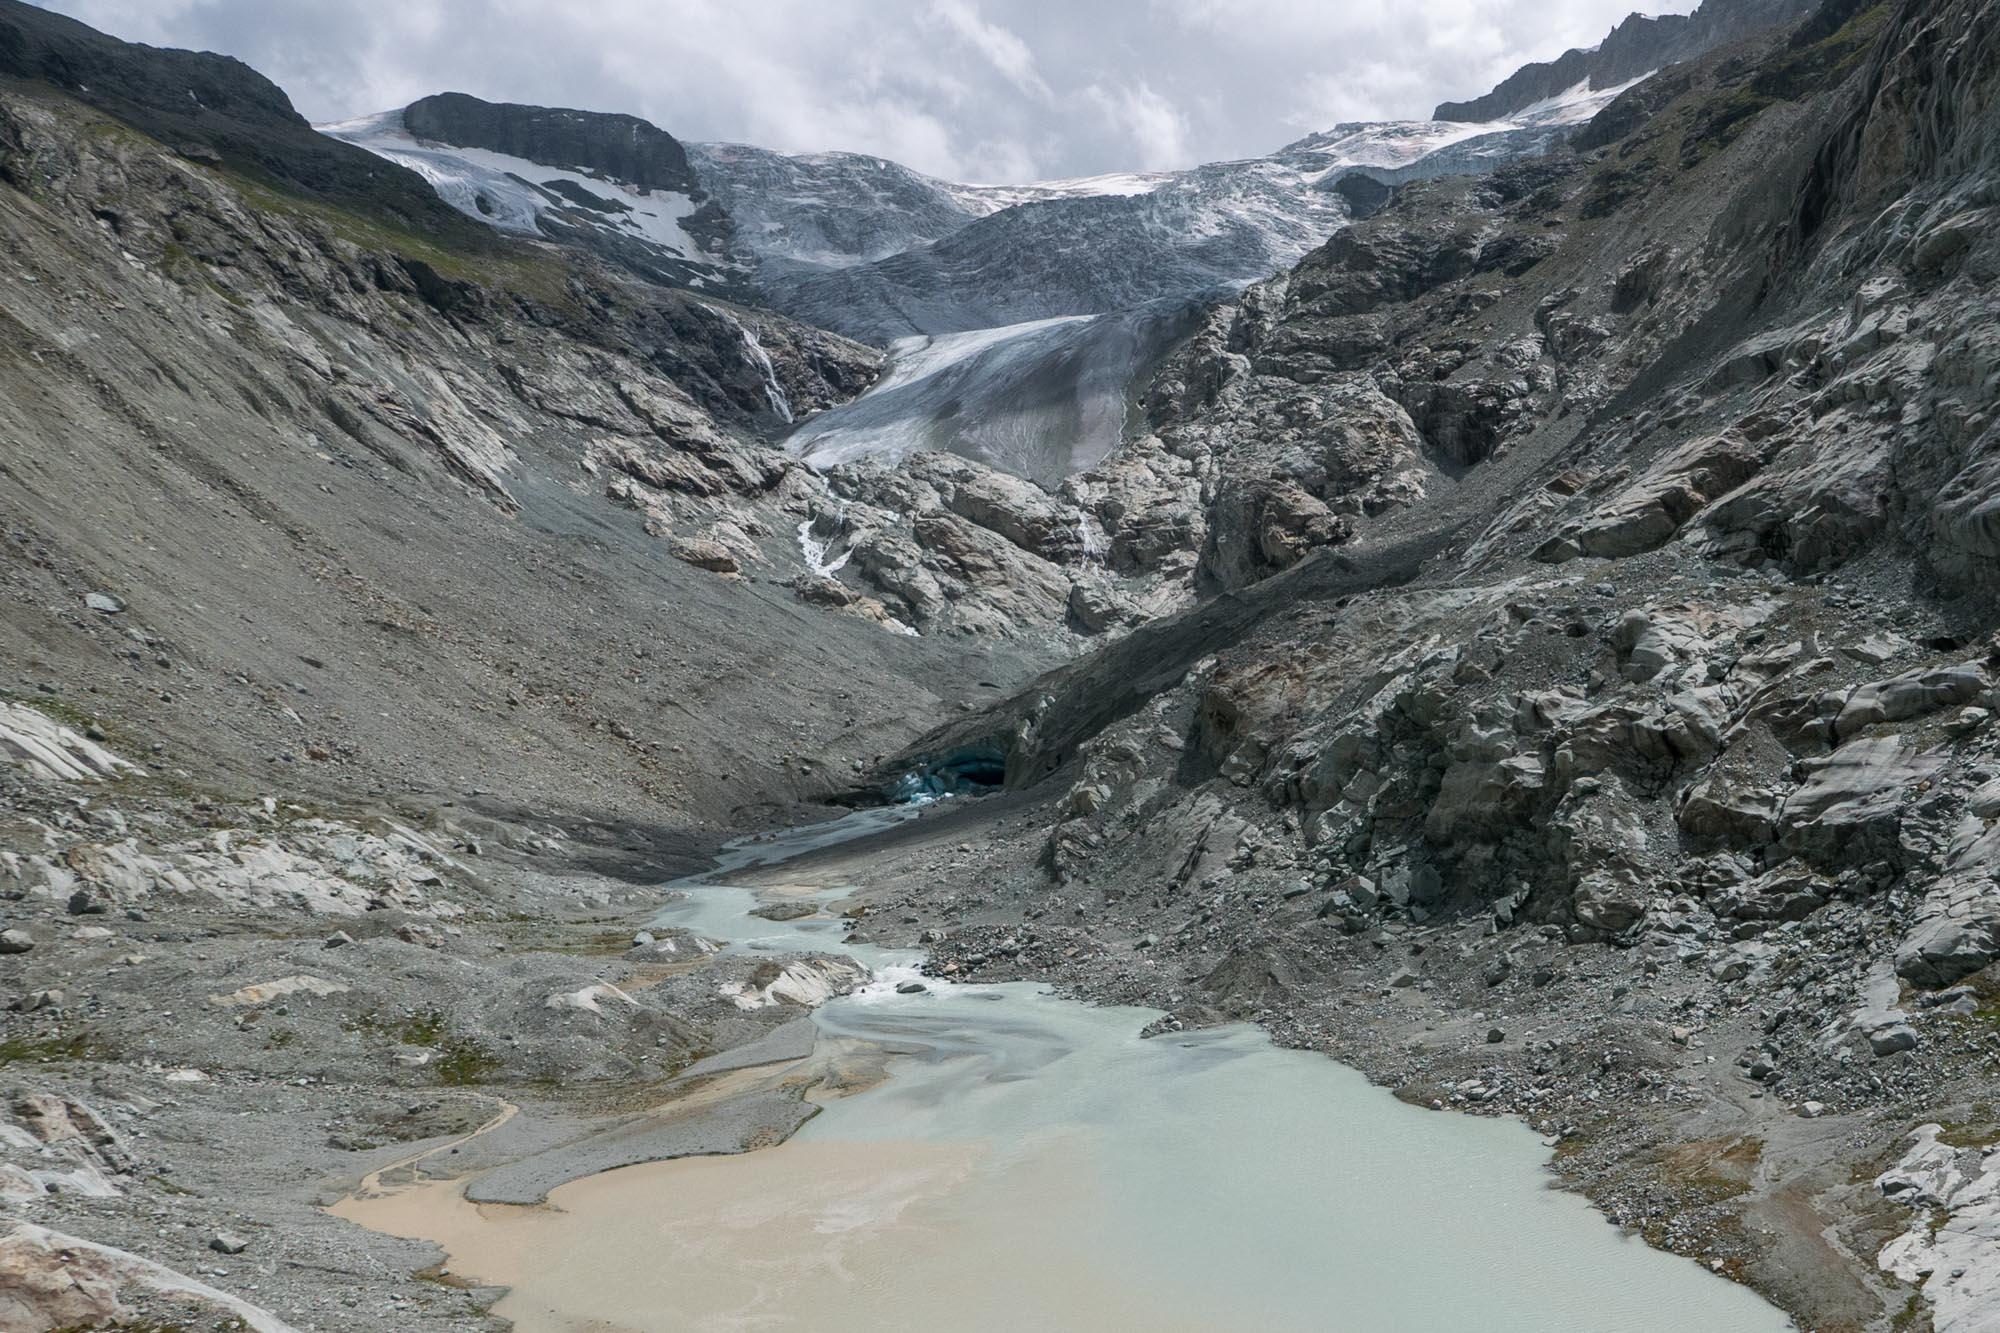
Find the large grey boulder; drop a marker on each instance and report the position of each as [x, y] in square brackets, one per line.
[1849, 808]
[1605, 843]
[1957, 930]
[1722, 812]
[1899, 698]
[1651, 512]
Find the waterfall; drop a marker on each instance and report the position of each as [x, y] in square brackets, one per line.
[1093, 547]
[772, 390]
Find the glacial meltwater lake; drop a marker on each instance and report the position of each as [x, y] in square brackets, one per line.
[1029, 1163]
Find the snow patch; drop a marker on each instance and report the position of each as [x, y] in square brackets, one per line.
[1574, 105]
[816, 549]
[514, 194]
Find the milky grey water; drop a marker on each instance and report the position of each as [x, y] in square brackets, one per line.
[1030, 1163]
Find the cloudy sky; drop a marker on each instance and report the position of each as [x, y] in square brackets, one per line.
[984, 90]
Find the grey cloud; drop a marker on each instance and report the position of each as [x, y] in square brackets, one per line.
[969, 89]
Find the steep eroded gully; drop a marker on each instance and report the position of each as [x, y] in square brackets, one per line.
[1004, 1158]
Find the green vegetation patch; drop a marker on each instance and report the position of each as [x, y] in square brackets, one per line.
[1790, 75]
[459, 1061]
[1980, 1128]
[46, 1050]
[539, 277]
[1914, 1317]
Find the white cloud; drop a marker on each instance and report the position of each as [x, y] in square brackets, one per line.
[1003, 50]
[972, 89]
[1154, 126]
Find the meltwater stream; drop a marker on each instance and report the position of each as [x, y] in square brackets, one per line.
[1030, 1163]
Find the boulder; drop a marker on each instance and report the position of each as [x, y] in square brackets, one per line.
[1719, 813]
[1479, 800]
[1848, 811]
[50, 1280]
[1650, 512]
[703, 553]
[1096, 607]
[1648, 643]
[1610, 900]
[1892, 1039]
[1603, 843]
[1957, 930]
[818, 590]
[1899, 698]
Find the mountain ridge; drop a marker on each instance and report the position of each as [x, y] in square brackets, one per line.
[213, 108]
[1639, 44]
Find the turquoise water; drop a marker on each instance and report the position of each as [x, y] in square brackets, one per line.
[1200, 1180]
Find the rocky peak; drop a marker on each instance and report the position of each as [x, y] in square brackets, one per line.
[1639, 45]
[623, 148]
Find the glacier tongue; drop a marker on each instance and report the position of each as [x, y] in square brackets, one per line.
[1040, 399]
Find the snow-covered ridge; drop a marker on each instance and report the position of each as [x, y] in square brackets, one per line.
[1399, 143]
[879, 252]
[794, 220]
[543, 200]
[1016, 315]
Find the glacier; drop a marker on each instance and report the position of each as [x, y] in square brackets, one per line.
[1016, 317]
[1015, 338]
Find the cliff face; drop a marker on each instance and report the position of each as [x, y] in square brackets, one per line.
[1712, 386]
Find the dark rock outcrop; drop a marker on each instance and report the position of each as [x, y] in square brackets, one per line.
[624, 148]
[1639, 45]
